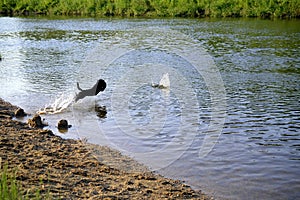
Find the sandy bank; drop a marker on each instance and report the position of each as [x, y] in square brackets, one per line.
[70, 169]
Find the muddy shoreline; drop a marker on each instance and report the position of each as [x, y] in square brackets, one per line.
[70, 169]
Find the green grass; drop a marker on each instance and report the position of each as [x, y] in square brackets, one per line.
[168, 8]
[10, 188]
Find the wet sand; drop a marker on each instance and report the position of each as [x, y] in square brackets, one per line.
[71, 169]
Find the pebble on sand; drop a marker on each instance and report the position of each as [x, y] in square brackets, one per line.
[20, 113]
[36, 122]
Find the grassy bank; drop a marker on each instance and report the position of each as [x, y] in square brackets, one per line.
[162, 8]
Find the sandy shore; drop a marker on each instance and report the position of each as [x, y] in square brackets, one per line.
[70, 169]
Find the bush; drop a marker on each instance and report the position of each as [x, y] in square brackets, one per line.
[189, 8]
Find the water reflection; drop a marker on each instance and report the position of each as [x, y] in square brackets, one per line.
[12, 79]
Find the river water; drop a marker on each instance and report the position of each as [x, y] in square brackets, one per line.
[229, 124]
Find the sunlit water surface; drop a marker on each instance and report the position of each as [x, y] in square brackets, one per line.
[257, 155]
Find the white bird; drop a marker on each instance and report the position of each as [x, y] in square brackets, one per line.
[164, 82]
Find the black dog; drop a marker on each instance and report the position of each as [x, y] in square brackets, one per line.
[98, 87]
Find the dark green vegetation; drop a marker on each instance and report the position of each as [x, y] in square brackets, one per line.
[173, 8]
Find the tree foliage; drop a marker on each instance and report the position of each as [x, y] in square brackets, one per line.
[180, 8]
